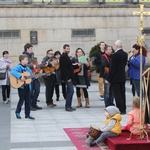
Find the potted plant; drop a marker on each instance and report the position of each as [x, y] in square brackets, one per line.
[92, 53]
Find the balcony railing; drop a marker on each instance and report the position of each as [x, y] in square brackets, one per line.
[72, 2]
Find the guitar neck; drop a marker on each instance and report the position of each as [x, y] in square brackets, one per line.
[36, 75]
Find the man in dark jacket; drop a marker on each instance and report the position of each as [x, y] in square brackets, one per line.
[117, 76]
[108, 95]
[66, 71]
[28, 50]
[99, 69]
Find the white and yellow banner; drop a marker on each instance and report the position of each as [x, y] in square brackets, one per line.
[144, 1]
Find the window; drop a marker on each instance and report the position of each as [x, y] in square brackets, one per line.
[40, 1]
[146, 31]
[7, 1]
[10, 34]
[82, 1]
[114, 1]
[83, 32]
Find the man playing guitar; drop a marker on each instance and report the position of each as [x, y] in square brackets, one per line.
[28, 50]
[48, 64]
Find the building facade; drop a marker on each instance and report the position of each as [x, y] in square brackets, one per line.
[51, 25]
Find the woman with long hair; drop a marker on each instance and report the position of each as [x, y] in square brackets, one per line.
[81, 79]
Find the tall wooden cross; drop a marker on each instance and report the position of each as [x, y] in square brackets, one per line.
[141, 42]
[141, 13]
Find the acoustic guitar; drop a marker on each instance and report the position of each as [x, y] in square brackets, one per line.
[77, 70]
[16, 83]
[37, 69]
[55, 66]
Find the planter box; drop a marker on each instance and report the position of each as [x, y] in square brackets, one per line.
[94, 76]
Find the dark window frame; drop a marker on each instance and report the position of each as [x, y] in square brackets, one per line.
[10, 34]
[83, 33]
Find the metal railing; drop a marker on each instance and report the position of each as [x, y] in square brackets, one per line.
[72, 2]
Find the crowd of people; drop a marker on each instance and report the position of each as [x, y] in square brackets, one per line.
[66, 71]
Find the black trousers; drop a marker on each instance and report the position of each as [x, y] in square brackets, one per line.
[119, 95]
[84, 91]
[5, 92]
[50, 84]
[63, 85]
[24, 96]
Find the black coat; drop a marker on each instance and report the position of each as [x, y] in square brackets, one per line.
[66, 68]
[117, 67]
[85, 69]
[106, 63]
[98, 63]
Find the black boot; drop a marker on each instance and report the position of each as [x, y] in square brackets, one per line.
[93, 143]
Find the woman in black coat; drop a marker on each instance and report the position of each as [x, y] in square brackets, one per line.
[81, 79]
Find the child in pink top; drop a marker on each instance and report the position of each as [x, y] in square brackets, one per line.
[133, 122]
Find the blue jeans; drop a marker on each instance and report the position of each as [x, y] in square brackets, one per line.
[24, 95]
[104, 136]
[108, 95]
[136, 84]
[69, 94]
[35, 92]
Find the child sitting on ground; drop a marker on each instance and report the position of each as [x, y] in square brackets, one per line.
[133, 122]
[112, 125]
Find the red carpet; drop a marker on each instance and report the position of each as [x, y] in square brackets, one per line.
[78, 138]
[121, 142]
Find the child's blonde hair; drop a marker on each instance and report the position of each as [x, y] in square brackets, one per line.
[136, 102]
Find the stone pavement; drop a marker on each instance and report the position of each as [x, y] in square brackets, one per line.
[46, 131]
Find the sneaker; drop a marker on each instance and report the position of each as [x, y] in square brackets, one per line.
[18, 115]
[29, 117]
[6, 102]
[8, 99]
[101, 98]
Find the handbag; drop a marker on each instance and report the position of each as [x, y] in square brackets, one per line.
[2, 75]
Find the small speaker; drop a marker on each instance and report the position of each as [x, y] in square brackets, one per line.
[33, 37]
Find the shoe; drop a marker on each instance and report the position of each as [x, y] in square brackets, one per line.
[72, 108]
[33, 109]
[101, 98]
[18, 115]
[87, 135]
[123, 113]
[29, 117]
[6, 102]
[51, 105]
[8, 99]
[93, 143]
[78, 106]
[37, 107]
[69, 109]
